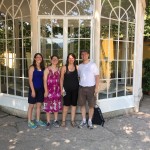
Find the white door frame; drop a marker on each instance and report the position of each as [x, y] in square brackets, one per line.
[65, 32]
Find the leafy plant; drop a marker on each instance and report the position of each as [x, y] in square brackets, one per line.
[146, 75]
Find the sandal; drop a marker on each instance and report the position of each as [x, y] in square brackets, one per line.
[73, 124]
[63, 124]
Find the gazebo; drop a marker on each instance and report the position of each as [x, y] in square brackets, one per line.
[112, 30]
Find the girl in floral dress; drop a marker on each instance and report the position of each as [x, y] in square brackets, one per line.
[52, 94]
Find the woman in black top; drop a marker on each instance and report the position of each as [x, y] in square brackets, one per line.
[69, 88]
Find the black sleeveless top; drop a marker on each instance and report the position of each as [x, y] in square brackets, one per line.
[71, 81]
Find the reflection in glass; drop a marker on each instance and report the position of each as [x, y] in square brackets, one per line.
[46, 47]
[46, 28]
[104, 73]
[129, 86]
[85, 28]
[73, 46]
[112, 88]
[57, 28]
[3, 66]
[121, 88]
[9, 29]
[113, 69]
[85, 44]
[73, 28]
[122, 50]
[102, 89]
[57, 47]
[131, 31]
[121, 69]
[104, 30]
[130, 51]
[130, 65]
[11, 86]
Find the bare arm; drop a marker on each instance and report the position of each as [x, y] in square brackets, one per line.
[30, 73]
[46, 71]
[63, 70]
[97, 84]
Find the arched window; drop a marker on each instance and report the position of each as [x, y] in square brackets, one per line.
[117, 48]
[15, 46]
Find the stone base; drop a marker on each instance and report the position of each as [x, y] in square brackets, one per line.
[23, 114]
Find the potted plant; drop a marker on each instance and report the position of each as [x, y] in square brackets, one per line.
[146, 76]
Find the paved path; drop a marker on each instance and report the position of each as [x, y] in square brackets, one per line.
[128, 132]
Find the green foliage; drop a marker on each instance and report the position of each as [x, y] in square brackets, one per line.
[146, 76]
[147, 21]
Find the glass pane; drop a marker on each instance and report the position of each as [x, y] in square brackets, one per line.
[10, 46]
[113, 69]
[18, 67]
[46, 28]
[2, 48]
[26, 27]
[11, 86]
[122, 50]
[57, 28]
[9, 29]
[73, 47]
[2, 67]
[58, 47]
[73, 28]
[85, 44]
[114, 29]
[121, 88]
[129, 86]
[130, 66]
[85, 7]
[18, 48]
[2, 28]
[45, 7]
[104, 30]
[3, 84]
[46, 46]
[108, 49]
[26, 47]
[127, 5]
[130, 51]
[11, 70]
[123, 31]
[103, 89]
[121, 69]
[104, 73]
[112, 88]
[131, 31]
[85, 28]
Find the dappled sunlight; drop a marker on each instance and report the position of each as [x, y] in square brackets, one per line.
[12, 147]
[38, 149]
[67, 141]
[128, 129]
[56, 144]
[13, 143]
[146, 139]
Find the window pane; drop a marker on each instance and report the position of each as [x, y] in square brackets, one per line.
[129, 86]
[73, 47]
[85, 28]
[73, 28]
[85, 44]
[130, 68]
[121, 69]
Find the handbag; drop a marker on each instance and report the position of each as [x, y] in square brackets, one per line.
[98, 116]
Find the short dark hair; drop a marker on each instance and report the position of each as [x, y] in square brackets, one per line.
[87, 51]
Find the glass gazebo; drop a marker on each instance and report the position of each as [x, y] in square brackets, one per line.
[112, 30]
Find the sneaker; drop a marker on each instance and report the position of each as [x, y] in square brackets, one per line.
[48, 125]
[82, 124]
[90, 125]
[32, 125]
[56, 124]
[40, 123]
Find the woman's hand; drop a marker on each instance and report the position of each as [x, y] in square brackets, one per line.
[33, 94]
[45, 94]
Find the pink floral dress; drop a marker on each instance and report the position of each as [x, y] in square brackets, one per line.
[52, 103]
